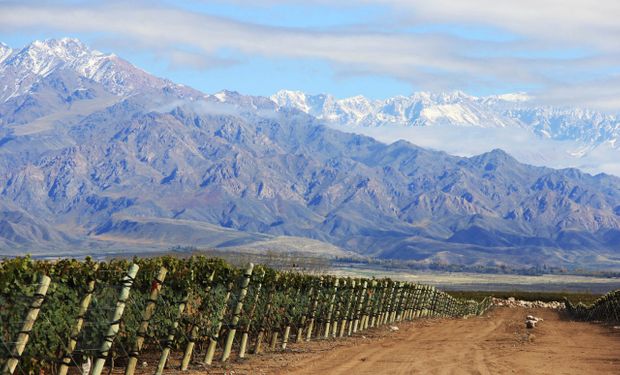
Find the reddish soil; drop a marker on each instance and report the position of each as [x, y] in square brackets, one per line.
[497, 343]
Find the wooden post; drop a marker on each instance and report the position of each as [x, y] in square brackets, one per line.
[384, 301]
[396, 304]
[146, 318]
[65, 362]
[353, 313]
[246, 329]
[292, 307]
[330, 310]
[406, 300]
[237, 313]
[410, 302]
[31, 318]
[424, 301]
[216, 333]
[379, 304]
[315, 304]
[388, 308]
[433, 301]
[417, 304]
[401, 303]
[426, 295]
[274, 340]
[261, 333]
[345, 316]
[419, 301]
[336, 316]
[170, 338]
[114, 325]
[287, 332]
[302, 322]
[367, 305]
[189, 348]
[360, 304]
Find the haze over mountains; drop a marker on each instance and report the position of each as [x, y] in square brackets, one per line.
[97, 155]
[452, 122]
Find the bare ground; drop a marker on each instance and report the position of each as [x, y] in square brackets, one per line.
[497, 343]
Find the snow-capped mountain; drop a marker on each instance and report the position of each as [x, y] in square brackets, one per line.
[419, 109]
[21, 69]
[5, 51]
[97, 154]
[515, 110]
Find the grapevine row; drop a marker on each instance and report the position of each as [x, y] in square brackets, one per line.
[606, 308]
[64, 314]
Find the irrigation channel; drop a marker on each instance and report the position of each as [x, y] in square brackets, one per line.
[87, 316]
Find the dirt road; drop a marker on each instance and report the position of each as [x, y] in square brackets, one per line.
[497, 343]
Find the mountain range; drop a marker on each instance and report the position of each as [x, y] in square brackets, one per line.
[99, 156]
[537, 134]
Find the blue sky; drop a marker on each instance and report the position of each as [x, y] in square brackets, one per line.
[563, 52]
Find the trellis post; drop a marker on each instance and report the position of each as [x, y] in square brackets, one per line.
[360, 304]
[189, 348]
[216, 333]
[163, 358]
[345, 316]
[146, 319]
[114, 325]
[246, 329]
[77, 326]
[315, 303]
[330, 309]
[261, 332]
[287, 329]
[31, 318]
[237, 313]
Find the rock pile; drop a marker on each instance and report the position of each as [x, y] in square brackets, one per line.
[530, 321]
[512, 302]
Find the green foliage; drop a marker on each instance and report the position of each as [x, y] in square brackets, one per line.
[208, 287]
[606, 308]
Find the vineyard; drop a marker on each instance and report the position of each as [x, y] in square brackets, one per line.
[84, 316]
[606, 309]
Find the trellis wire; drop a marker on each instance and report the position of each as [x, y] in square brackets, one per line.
[204, 301]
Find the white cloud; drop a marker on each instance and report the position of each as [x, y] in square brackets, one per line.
[429, 61]
[520, 143]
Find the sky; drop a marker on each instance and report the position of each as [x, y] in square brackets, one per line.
[561, 52]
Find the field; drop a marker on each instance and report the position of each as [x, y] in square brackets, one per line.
[58, 315]
[588, 287]
[464, 281]
[497, 343]
[197, 313]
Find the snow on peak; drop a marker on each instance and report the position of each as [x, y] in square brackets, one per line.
[511, 110]
[5, 52]
[320, 105]
[43, 57]
[221, 96]
[289, 98]
[227, 96]
[422, 108]
[23, 68]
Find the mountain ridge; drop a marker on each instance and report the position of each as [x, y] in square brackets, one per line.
[566, 136]
[41, 58]
[163, 165]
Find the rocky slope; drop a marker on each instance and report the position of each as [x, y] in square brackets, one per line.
[162, 165]
[467, 125]
[458, 109]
